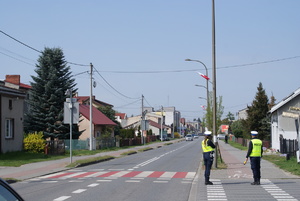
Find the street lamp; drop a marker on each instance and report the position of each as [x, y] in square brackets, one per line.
[197, 85]
[202, 98]
[207, 89]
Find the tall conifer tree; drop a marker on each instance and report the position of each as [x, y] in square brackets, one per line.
[47, 95]
[257, 113]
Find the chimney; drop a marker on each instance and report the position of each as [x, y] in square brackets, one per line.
[14, 79]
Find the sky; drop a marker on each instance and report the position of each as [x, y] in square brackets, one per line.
[139, 47]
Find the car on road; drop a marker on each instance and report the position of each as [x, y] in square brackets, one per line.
[188, 137]
[164, 138]
[7, 193]
[195, 136]
[221, 136]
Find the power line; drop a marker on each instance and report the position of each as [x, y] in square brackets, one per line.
[112, 86]
[262, 62]
[81, 73]
[11, 52]
[17, 59]
[128, 104]
[20, 42]
[147, 101]
[165, 71]
[179, 71]
[36, 49]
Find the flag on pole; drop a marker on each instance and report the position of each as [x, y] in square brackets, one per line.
[203, 107]
[204, 76]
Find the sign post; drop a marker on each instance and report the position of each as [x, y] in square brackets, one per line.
[71, 115]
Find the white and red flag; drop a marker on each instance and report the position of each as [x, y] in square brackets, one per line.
[204, 76]
[203, 107]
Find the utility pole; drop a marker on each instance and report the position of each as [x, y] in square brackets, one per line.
[91, 107]
[161, 124]
[214, 84]
[143, 121]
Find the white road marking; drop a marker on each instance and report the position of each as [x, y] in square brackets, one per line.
[79, 191]
[168, 175]
[49, 182]
[93, 185]
[133, 181]
[97, 174]
[144, 174]
[62, 198]
[160, 181]
[275, 191]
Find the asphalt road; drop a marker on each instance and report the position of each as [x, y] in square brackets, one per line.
[165, 173]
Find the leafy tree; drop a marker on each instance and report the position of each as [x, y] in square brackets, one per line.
[110, 113]
[208, 119]
[272, 102]
[127, 133]
[237, 128]
[47, 95]
[257, 113]
[228, 121]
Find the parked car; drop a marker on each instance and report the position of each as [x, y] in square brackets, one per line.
[188, 137]
[221, 136]
[7, 193]
[165, 138]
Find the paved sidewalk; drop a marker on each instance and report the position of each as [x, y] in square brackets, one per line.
[234, 158]
[32, 170]
[237, 175]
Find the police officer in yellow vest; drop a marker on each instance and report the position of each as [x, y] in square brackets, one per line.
[208, 148]
[255, 151]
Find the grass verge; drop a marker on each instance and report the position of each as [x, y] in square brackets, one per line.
[89, 161]
[290, 166]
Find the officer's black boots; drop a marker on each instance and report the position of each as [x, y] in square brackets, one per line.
[256, 182]
[208, 183]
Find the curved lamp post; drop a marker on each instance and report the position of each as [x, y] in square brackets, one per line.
[207, 89]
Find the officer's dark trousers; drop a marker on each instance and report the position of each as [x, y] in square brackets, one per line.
[208, 161]
[255, 166]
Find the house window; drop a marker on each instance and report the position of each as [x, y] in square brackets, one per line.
[9, 128]
[98, 133]
[10, 104]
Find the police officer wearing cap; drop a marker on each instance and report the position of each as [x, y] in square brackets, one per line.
[255, 151]
[208, 148]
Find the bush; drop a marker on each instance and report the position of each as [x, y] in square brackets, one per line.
[34, 142]
[176, 135]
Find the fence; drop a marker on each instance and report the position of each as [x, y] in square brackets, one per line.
[56, 147]
[288, 146]
[245, 142]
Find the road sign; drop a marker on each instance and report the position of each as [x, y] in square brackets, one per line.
[67, 113]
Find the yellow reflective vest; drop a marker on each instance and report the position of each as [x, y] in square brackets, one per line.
[206, 148]
[256, 148]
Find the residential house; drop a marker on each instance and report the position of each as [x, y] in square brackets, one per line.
[285, 119]
[156, 121]
[12, 106]
[154, 126]
[172, 118]
[121, 118]
[85, 100]
[242, 114]
[99, 122]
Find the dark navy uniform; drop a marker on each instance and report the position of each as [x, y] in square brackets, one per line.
[208, 156]
[255, 151]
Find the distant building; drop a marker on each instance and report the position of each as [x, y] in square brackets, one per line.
[242, 114]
